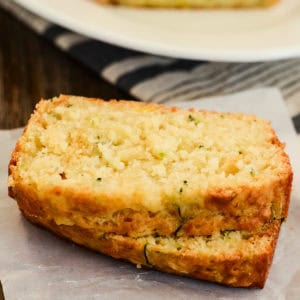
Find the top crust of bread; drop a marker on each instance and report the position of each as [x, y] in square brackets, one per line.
[140, 169]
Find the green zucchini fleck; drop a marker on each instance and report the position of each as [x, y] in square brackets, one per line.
[146, 256]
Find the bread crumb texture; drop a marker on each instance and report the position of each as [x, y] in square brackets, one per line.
[158, 153]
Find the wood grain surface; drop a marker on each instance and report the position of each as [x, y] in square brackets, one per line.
[31, 68]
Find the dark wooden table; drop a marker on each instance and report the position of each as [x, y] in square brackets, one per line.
[31, 68]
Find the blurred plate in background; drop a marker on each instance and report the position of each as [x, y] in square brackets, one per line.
[217, 35]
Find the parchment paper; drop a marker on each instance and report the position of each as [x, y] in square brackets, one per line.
[35, 264]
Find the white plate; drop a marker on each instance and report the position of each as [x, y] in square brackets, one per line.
[227, 35]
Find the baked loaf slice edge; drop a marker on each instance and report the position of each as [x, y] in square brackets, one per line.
[128, 179]
[231, 258]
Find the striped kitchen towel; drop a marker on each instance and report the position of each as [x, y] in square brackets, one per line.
[166, 80]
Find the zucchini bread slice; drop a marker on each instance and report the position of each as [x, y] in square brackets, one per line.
[139, 171]
[194, 3]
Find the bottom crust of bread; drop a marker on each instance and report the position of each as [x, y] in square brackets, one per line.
[236, 267]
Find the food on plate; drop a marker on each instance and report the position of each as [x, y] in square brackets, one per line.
[193, 3]
[189, 192]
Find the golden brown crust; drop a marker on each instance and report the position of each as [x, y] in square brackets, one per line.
[233, 271]
[188, 221]
[239, 270]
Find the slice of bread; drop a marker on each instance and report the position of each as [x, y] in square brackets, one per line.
[194, 3]
[127, 173]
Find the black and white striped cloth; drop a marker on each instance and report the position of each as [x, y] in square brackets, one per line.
[166, 80]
